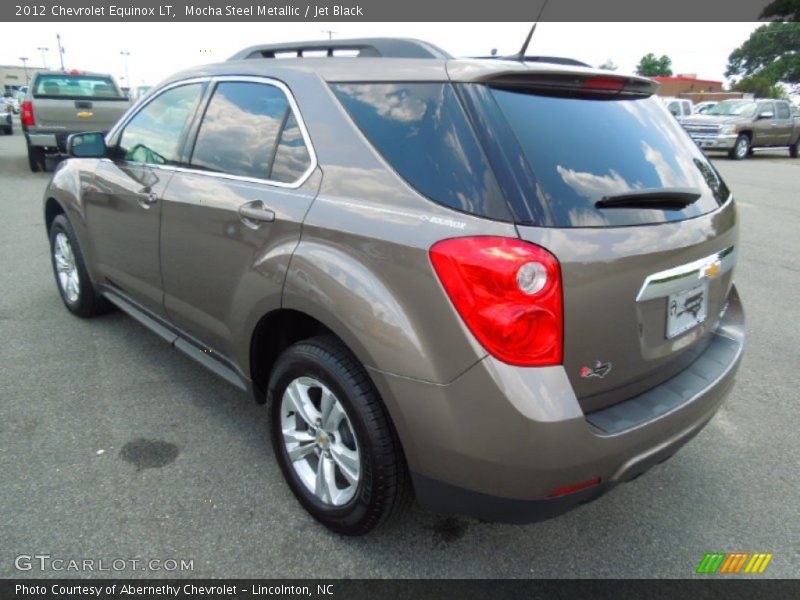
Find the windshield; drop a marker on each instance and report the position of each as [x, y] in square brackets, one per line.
[742, 108]
[77, 87]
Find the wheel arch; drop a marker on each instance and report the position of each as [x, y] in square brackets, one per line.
[52, 208]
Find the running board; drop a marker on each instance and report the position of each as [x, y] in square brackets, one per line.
[204, 356]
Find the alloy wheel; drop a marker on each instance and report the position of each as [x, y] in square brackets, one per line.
[742, 147]
[66, 268]
[320, 441]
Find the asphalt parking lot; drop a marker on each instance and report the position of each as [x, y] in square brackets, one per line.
[77, 396]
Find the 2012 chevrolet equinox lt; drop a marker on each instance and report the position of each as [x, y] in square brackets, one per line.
[503, 285]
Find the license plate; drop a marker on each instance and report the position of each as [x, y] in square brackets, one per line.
[686, 309]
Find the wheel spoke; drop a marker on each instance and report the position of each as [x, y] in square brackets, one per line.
[295, 436]
[347, 461]
[325, 483]
[298, 395]
[61, 263]
[300, 451]
[334, 417]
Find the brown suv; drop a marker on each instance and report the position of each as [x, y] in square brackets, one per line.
[441, 275]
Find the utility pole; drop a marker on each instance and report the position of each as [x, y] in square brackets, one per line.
[125, 54]
[330, 33]
[44, 52]
[24, 60]
[60, 50]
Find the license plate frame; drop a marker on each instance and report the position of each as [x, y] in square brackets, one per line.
[686, 310]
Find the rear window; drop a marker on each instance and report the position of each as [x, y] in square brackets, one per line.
[582, 150]
[77, 87]
[422, 131]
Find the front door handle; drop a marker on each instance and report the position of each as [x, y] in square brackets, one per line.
[253, 214]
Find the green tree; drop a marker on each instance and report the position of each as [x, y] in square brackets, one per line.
[760, 86]
[652, 66]
[782, 10]
[769, 56]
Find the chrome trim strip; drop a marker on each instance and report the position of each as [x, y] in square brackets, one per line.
[664, 283]
[236, 78]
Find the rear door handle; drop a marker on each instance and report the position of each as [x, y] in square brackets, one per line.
[253, 214]
[146, 199]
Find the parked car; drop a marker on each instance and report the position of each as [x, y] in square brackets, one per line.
[739, 126]
[679, 107]
[6, 117]
[59, 103]
[702, 108]
[12, 102]
[428, 294]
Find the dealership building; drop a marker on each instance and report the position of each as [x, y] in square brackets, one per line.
[13, 77]
[694, 89]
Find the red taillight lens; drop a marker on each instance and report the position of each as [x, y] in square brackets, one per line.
[509, 294]
[603, 83]
[27, 113]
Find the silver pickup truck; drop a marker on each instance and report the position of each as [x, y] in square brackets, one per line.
[739, 126]
[59, 103]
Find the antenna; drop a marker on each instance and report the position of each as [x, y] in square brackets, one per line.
[521, 54]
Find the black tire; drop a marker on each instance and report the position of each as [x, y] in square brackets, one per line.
[741, 148]
[88, 302]
[8, 130]
[794, 149]
[36, 159]
[384, 486]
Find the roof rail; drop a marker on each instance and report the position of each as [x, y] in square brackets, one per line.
[556, 60]
[364, 47]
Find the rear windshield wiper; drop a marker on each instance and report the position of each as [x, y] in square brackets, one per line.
[656, 198]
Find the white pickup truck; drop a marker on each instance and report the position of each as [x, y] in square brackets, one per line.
[59, 103]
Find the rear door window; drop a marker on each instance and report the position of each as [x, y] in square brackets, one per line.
[422, 131]
[250, 130]
[582, 150]
[783, 110]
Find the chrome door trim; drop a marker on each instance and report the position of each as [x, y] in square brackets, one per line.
[122, 123]
[669, 281]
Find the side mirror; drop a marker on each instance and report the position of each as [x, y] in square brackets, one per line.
[87, 145]
[766, 115]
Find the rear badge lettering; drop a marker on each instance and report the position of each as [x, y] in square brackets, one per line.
[600, 370]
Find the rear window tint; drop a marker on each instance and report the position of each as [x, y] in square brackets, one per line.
[582, 150]
[81, 87]
[423, 133]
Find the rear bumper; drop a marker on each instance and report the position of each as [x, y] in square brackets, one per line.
[497, 441]
[56, 140]
[44, 140]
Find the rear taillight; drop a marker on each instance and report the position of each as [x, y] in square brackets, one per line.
[27, 114]
[509, 294]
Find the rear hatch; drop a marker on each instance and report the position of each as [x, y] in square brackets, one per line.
[74, 102]
[638, 218]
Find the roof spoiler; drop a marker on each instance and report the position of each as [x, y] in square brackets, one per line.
[360, 48]
[589, 83]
